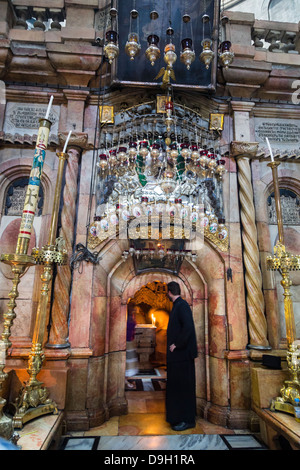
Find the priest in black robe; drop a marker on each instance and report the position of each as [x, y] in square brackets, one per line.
[181, 354]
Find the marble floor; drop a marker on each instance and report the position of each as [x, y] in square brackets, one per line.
[145, 428]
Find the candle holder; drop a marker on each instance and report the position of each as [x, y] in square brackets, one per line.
[33, 399]
[285, 262]
[20, 260]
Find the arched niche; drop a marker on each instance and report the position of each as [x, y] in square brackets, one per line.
[203, 286]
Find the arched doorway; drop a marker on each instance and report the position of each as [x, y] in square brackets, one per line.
[150, 307]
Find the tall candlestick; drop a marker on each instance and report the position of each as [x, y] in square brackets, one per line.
[49, 107]
[31, 198]
[67, 141]
[271, 153]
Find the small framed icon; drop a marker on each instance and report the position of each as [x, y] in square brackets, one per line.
[161, 103]
[216, 122]
[106, 114]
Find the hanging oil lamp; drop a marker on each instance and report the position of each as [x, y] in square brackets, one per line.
[111, 48]
[152, 52]
[173, 152]
[170, 56]
[132, 151]
[226, 55]
[187, 55]
[207, 54]
[185, 150]
[122, 156]
[155, 151]
[103, 163]
[113, 158]
[132, 46]
[195, 154]
[220, 168]
[143, 151]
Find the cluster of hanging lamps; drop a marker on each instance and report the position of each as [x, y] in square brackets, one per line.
[152, 53]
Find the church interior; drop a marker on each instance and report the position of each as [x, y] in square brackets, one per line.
[145, 142]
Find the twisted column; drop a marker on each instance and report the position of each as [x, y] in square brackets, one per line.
[253, 278]
[62, 285]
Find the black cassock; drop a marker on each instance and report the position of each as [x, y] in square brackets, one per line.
[180, 390]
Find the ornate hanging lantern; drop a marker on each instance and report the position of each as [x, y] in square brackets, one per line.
[152, 52]
[207, 54]
[155, 151]
[111, 48]
[226, 55]
[195, 153]
[187, 56]
[103, 163]
[113, 158]
[143, 152]
[133, 47]
[132, 151]
[185, 150]
[122, 156]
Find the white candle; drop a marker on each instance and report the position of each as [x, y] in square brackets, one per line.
[271, 154]
[49, 107]
[66, 143]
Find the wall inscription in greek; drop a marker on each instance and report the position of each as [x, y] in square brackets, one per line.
[281, 133]
[24, 118]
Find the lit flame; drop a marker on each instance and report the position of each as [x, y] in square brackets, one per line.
[153, 319]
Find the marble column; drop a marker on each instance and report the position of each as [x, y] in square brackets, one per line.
[58, 337]
[243, 150]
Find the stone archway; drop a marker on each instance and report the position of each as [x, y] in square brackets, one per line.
[219, 311]
[123, 283]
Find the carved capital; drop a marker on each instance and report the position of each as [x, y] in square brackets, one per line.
[243, 149]
[77, 139]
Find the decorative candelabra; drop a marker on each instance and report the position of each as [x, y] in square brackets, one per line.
[20, 260]
[33, 399]
[285, 262]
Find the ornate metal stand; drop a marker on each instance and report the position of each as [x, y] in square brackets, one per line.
[285, 262]
[33, 400]
[20, 261]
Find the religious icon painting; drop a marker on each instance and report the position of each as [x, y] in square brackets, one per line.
[106, 114]
[216, 122]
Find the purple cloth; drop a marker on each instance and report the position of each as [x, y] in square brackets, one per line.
[130, 330]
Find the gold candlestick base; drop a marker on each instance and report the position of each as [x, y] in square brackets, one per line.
[290, 391]
[285, 262]
[33, 400]
[19, 263]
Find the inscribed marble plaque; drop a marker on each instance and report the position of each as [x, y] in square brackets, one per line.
[282, 133]
[23, 118]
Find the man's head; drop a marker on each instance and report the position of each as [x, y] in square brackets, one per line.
[173, 290]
